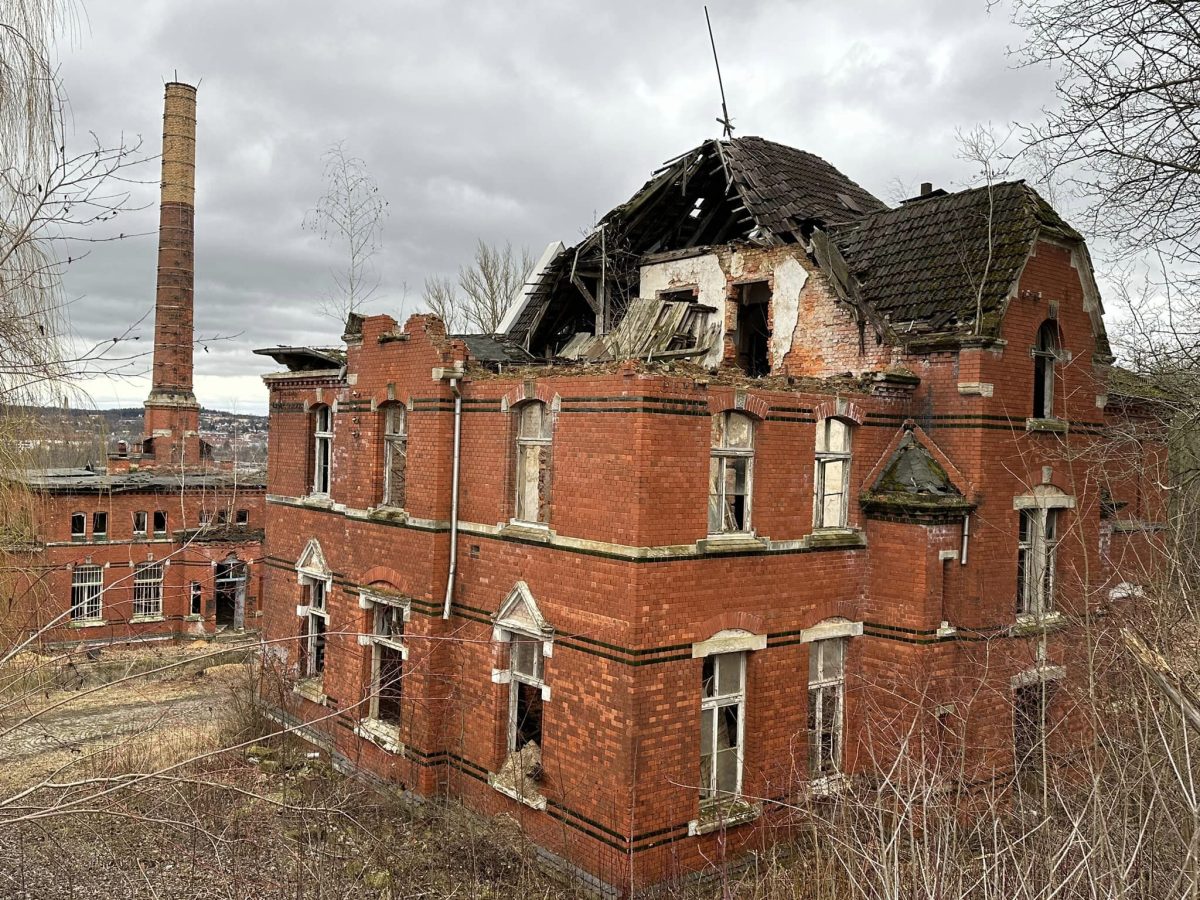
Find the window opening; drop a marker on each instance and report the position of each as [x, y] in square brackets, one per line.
[87, 587]
[196, 604]
[242, 518]
[160, 523]
[826, 706]
[1037, 551]
[139, 524]
[832, 478]
[533, 463]
[1045, 358]
[1030, 704]
[147, 589]
[78, 527]
[731, 469]
[322, 448]
[395, 455]
[525, 694]
[316, 623]
[753, 335]
[722, 724]
[229, 592]
[388, 654]
[100, 526]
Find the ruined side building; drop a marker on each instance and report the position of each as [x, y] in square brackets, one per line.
[161, 542]
[762, 481]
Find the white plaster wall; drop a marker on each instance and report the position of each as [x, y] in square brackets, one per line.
[790, 278]
[703, 271]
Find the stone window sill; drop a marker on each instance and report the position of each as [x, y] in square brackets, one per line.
[139, 620]
[732, 542]
[849, 538]
[311, 689]
[88, 623]
[390, 513]
[1054, 426]
[1032, 623]
[530, 531]
[381, 734]
[319, 501]
[827, 785]
[534, 801]
[721, 814]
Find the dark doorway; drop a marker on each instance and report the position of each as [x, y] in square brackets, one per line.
[754, 329]
[229, 591]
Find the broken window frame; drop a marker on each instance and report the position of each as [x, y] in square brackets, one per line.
[160, 516]
[139, 524]
[533, 446]
[78, 527]
[395, 455]
[100, 526]
[383, 610]
[742, 343]
[1046, 355]
[532, 677]
[315, 640]
[148, 590]
[87, 592]
[825, 460]
[826, 704]
[322, 418]
[1037, 561]
[196, 599]
[714, 706]
[724, 460]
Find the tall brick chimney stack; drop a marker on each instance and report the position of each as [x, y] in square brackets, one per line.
[172, 419]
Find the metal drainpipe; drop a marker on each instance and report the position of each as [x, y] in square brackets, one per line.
[454, 499]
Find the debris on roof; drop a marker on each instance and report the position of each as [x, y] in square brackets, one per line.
[306, 359]
[492, 349]
[651, 329]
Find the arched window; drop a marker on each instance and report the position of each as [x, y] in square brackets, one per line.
[730, 473]
[832, 478]
[322, 447]
[395, 454]
[1045, 357]
[533, 462]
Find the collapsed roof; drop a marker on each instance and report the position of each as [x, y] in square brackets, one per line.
[939, 265]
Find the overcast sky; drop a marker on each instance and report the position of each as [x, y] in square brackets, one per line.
[502, 121]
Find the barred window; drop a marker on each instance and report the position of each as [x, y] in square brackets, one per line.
[395, 454]
[147, 589]
[87, 587]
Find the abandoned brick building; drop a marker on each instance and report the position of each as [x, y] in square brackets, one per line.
[161, 542]
[757, 477]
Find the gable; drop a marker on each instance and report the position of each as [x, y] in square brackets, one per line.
[519, 612]
[312, 561]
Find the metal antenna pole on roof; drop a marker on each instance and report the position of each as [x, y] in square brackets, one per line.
[726, 122]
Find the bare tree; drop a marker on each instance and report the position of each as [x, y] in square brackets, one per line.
[486, 287]
[350, 215]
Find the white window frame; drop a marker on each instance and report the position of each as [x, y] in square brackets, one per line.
[196, 599]
[830, 691]
[527, 444]
[145, 523]
[159, 533]
[316, 611]
[711, 794]
[516, 678]
[721, 456]
[148, 590]
[97, 534]
[395, 442]
[1037, 561]
[87, 596]
[322, 448]
[377, 605]
[1047, 358]
[824, 458]
[80, 535]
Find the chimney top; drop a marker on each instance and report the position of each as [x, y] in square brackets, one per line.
[926, 188]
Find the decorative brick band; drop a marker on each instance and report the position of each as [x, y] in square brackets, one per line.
[530, 390]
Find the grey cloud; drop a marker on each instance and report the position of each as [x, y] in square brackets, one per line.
[504, 121]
